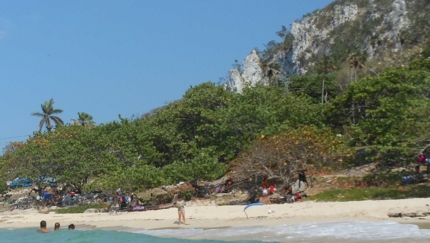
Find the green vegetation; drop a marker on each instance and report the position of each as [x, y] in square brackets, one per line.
[313, 121]
[273, 47]
[190, 139]
[283, 155]
[312, 86]
[84, 119]
[419, 31]
[374, 186]
[373, 193]
[198, 136]
[79, 209]
[388, 113]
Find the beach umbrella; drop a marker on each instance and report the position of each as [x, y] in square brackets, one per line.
[250, 205]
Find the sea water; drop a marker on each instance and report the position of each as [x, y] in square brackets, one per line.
[348, 231]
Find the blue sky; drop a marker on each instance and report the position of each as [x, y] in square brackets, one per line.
[123, 57]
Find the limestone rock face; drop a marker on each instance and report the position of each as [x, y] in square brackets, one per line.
[252, 74]
[252, 71]
[396, 20]
[315, 34]
[307, 35]
[374, 29]
[235, 82]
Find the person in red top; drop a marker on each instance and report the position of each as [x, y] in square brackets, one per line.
[421, 159]
[265, 184]
[272, 188]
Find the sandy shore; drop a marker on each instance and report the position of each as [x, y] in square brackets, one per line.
[229, 216]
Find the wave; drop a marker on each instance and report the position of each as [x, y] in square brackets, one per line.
[349, 231]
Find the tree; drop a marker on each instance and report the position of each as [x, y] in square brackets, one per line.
[388, 112]
[314, 85]
[84, 119]
[47, 115]
[282, 156]
[357, 60]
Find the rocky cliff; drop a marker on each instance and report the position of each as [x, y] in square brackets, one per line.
[392, 31]
[251, 76]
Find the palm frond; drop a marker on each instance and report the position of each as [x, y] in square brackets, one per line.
[56, 111]
[37, 114]
[57, 120]
[45, 108]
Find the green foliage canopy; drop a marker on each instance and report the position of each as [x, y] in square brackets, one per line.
[387, 112]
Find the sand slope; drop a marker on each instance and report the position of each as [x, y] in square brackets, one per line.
[225, 216]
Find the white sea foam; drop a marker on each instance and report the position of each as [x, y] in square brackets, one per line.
[349, 231]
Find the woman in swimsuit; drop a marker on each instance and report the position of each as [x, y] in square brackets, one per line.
[180, 204]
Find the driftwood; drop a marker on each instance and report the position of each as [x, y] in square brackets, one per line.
[161, 206]
[220, 181]
[164, 205]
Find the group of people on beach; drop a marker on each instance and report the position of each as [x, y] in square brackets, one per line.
[288, 195]
[43, 227]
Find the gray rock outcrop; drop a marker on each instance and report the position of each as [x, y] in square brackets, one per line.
[377, 27]
[251, 76]
[315, 34]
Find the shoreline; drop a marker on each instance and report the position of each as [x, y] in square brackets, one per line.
[214, 217]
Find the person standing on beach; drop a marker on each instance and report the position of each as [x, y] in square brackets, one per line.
[180, 204]
[43, 228]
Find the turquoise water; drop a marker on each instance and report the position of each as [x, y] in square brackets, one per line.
[88, 236]
[333, 232]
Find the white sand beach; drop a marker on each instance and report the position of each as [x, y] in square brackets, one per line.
[229, 216]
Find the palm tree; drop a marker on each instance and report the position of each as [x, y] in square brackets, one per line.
[357, 60]
[84, 120]
[47, 115]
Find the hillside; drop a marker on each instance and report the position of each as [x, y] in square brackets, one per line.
[342, 111]
[365, 35]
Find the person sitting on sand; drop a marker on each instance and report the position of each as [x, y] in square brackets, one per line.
[47, 198]
[227, 187]
[265, 184]
[57, 226]
[302, 178]
[180, 204]
[43, 228]
[421, 160]
[71, 227]
[36, 190]
[265, 198]
[272, 188]
[288, 194]
[123, 201]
